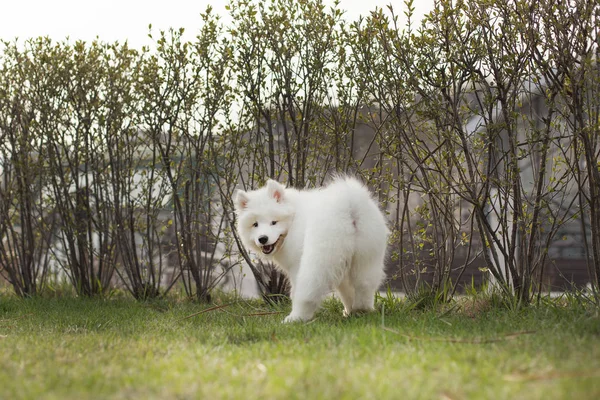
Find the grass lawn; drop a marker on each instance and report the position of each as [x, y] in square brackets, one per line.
[69, 348]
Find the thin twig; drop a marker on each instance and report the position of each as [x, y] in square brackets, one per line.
[470, 341]
[16, 318]
[261, 313]
[206, 310]
[257, 314]
[551, 376]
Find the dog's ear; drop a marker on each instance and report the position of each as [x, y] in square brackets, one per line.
[275, 190]
[240, 200]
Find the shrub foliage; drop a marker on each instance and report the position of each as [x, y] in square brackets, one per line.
[477, 128]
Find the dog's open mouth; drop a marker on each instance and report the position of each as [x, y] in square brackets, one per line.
[269, 248]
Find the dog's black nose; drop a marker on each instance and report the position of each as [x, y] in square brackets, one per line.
[263, 239]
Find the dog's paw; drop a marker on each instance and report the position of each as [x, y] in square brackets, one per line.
[358, 312]
[290, 319]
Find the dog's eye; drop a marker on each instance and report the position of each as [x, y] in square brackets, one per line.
[273, 222]
[255, 224]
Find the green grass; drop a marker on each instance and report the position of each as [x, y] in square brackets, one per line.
[65, 348]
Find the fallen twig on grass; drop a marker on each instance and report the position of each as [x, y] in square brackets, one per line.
[15, 318]
[468, 341]
[261, 313]
[551, 376]
[258, 314]
[206, 310]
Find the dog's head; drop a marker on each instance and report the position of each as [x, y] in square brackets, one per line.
[264, 217]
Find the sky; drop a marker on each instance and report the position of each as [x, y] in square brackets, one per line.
[121, 20]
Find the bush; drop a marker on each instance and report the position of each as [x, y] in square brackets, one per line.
[477, 129]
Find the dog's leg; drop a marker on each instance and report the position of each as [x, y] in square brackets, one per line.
[302, 310]
[346, 293]
[324, 264]
[365, 298]
[310, 288]
[366, 276]
[307, 298]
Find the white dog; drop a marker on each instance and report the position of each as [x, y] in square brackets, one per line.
[333, 238]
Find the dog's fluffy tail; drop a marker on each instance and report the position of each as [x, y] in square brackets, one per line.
[361, 199]
[356, 189]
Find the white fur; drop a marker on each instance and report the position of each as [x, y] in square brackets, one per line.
[333, 238]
